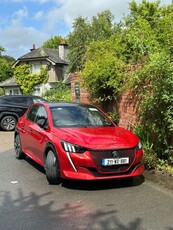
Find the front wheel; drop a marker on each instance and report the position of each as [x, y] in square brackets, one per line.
[52, 168]
[17, 147]
[8, 123]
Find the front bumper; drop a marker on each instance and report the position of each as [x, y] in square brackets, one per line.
[87, 166]
[85, 174]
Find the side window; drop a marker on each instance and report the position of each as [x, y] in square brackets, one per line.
[21, 100]
[8, 100]
[31, 116]
[41, 113]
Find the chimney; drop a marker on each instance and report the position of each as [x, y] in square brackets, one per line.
[33, 47]
[63, 49]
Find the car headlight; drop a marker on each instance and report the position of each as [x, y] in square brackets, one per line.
[69, 147]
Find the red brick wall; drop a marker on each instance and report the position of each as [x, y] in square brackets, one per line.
[127, 107]
[128, 111]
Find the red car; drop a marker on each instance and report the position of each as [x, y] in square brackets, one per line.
[77, 141]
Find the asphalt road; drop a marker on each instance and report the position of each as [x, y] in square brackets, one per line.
[28, 202]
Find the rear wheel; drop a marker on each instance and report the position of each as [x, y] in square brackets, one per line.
[8, 123]
[52, 168]
[18, 148]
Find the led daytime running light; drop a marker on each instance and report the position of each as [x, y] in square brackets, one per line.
[68, 147]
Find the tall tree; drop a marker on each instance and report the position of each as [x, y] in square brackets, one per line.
[149, 11]
[6, 70]
[78, 40]
[53, 42]
[8, 58]
[1, 49]
[6, 61]
[99, 28]
[165, 29]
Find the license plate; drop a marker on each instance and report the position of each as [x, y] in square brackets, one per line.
[115, 161]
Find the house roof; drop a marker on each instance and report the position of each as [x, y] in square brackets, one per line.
[51, 55]
[9, 82]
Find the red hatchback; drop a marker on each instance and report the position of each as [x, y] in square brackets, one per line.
[77, 141]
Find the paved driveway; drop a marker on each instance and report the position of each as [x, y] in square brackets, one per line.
[28, 202]
[6, 141]
[6, 144]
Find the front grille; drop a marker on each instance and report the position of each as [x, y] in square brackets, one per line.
[98, 155]
[98, 174]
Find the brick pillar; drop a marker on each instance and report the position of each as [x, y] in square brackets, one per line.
[74, 78]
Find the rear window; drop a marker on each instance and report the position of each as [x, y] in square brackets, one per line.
[21, 100]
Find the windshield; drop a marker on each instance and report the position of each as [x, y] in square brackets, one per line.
[79, 116]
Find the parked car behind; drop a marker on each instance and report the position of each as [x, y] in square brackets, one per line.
[77, 141]
[14, 106]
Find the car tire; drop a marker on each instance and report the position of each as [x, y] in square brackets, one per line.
[52, 168]
[8, 123]
[17, 147]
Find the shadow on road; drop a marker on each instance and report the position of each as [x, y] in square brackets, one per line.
[29, 212]
[34, 164]
[103, 184]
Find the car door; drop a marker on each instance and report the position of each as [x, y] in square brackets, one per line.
[37, 135]
[26, 129]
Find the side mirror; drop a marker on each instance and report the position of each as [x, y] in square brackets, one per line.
[42, 123]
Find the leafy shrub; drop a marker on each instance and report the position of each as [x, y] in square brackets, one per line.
[154, 83]
[61, 93]
[27, 80]
[150, 157]
[114, 116]
[2, 92]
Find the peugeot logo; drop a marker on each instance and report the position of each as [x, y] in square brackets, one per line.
[115, 154]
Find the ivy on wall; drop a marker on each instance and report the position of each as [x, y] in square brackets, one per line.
[27, 80]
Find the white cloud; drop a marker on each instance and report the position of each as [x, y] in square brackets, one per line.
[21, 13]
[19, 40]
[39, 15]
[71, 9]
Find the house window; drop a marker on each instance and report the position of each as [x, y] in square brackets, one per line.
[35, 68]
[15, 91]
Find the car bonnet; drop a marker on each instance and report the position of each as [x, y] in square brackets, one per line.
[98, 137]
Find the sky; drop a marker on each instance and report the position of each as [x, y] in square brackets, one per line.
[27, 22]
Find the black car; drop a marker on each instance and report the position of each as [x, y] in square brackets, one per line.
[14, 106]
